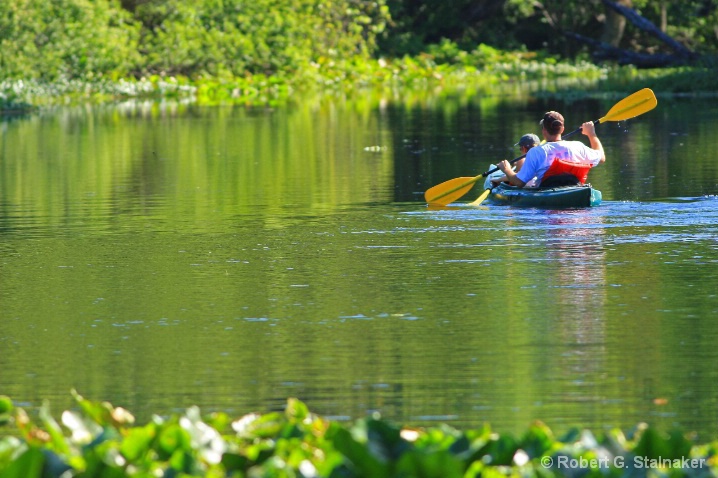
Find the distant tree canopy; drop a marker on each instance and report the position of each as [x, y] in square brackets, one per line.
[541, 24]
[51, 39]
[218, 37]
[66, 39]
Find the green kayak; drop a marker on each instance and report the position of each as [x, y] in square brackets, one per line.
[550, 198]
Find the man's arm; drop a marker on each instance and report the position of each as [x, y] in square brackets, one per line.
[511, 177]
[589, 130]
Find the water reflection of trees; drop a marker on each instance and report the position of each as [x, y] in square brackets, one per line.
[572, 373]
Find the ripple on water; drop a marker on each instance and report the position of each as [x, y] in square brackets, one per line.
[675, 220]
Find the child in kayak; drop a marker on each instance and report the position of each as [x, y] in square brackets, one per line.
[526, 142]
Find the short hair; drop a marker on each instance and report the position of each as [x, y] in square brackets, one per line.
[553, 122]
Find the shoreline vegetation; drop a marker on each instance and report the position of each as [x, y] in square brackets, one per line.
[265, 52]
[486, 70]
[96, 439]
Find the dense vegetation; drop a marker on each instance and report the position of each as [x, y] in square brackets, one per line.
[241, 51]
[534, 25]
[227, 38]
[99, 440]
[70, 39]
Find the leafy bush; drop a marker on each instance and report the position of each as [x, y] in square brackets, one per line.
[99, 440]
[86, 39]
[225, 38]
[65, 39]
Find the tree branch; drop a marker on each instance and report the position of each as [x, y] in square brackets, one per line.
[605, 51]
[647, 26]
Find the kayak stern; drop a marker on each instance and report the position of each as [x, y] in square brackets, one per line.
[563, 197]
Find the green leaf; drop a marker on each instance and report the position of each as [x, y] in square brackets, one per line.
[429, 464]
[234, 462]
[59, 441]
[100, 413]
[27, 465]
[296, 410]
[6, 405]
[572, 435]
[137, 442]
[385, 440]
[182, 461]
[173, 438]
[362, 460]
[537, 440]
[6, 409]
[268, 425]
[500, 450]
[655, 445]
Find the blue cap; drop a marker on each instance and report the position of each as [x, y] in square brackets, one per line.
[529, 140]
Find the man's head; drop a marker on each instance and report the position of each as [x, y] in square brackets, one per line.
[528, 141]
[552, 122]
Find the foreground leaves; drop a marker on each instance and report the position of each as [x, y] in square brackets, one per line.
[99, 440]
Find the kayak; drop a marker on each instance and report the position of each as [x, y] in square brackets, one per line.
[562, 197]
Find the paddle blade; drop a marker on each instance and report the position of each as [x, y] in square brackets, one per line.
[449, 191]
[631, 106]
[481, 198]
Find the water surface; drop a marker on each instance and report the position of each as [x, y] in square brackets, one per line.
[160, 256]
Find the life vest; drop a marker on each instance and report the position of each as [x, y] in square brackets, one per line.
[559, 166]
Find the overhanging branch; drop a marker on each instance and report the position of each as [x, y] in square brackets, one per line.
[605, 51]
[646, 25]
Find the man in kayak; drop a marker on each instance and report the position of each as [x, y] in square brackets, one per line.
[557, 162]
[525, 144]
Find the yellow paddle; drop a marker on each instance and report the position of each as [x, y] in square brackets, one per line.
[482, 197]
[631, 106]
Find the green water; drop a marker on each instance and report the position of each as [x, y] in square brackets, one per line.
[160, 256]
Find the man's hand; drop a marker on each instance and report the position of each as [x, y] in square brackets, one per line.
[588, 129]
[511, 177]
[504, 166]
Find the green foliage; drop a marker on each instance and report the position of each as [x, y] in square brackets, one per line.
[692, 22]
[265, 51]
[447, 67]
[102, 441]
[231, 38]
[679, 81]
[532, 25]
[417, 24]
[69, 39]
[65, 39]
[6, 408]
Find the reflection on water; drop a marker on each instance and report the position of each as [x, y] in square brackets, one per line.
[576, 311]
[232, 258]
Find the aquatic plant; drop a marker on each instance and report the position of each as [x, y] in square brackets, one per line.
[100, 440]
[443, 68]
[326, 75]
